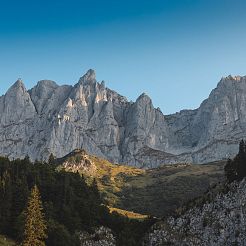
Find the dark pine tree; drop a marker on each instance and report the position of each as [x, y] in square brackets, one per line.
[230, 171]
[241, 161]
[5, 202]
[51, 160]
[35, 226]
[236, 169]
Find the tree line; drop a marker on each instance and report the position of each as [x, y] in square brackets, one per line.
[66, 205]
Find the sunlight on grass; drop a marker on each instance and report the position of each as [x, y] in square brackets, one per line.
[156, 192]
[4, 241]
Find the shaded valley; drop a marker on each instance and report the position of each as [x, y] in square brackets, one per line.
[157, 192]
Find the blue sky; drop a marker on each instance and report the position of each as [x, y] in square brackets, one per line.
[174, 50]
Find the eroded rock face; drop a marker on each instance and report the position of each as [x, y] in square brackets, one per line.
[78, 161]
[102, 236]
[58, 119]
[219, 222]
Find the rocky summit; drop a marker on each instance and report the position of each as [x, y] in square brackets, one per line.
[58, 119]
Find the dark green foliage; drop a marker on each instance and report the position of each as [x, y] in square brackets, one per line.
[35, 224]
[59, 235]
[230, 171]
[236, 169]
[129, 232]
[70, 205]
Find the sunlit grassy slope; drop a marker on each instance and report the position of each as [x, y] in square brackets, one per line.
[156, 192]
[129, 214]
[5, 241]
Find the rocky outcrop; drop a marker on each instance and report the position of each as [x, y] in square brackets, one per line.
[58, 119]
[218, 222]
[78, 161]
[102, 236]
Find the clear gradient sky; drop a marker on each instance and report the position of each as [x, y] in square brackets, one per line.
[174, 50]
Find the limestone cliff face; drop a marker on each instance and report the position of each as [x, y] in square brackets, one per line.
[213, 130]
[58, 119]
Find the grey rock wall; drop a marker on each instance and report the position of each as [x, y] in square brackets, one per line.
[58, 119]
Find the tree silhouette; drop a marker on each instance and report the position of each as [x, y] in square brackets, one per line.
[35, 226]
[51, 160]
[230, 171]
[236, 169]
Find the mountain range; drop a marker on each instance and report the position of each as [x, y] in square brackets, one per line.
[58, 119]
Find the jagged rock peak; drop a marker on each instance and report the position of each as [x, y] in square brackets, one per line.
[233, 78]
[144, 98]
[47, 83]
[18, 85]
[226, 82]
[107, 125]
[89, 77]
[143, 95]
[19, 80]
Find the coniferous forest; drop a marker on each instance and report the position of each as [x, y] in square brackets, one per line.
[69, 204]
